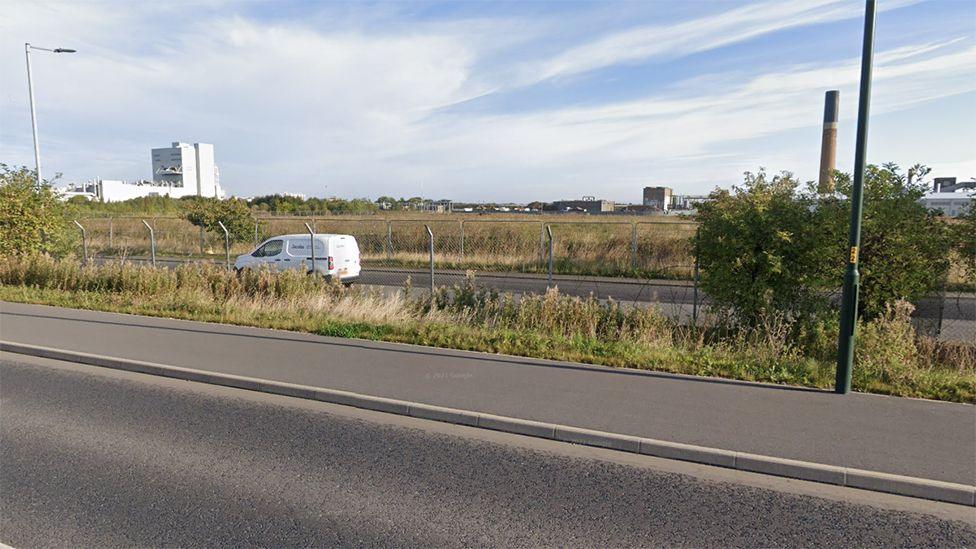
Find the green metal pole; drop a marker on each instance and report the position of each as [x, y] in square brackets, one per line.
[848, 309]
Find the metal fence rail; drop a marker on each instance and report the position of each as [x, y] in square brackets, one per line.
[642, 262]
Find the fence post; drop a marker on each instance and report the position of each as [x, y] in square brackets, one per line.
[430, 244]
[111, 234]
[226, 245]
[389, 239]
[84, 243]
[633, 247]
[694, 306]
[942, 300]
[549, 232]
[462, 240]
[311, 243]
[256, 233]
[542, 242]
[152, 241]
[203, 241]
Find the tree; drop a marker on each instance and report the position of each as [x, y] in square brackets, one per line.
[234, 213]
[761, 250]
[32, 218]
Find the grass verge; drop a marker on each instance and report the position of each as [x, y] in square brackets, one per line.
[892, 360]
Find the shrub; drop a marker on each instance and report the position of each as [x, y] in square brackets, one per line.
[233, 213]
[964, 240]
[766, 247]
[905, 248]
[761, 250]
[32, 219]
[886, 350]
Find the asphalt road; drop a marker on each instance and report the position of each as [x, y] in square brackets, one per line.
[99, 458]
[926, 439]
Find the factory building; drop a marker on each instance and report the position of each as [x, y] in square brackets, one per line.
[588, 205]
[187, 170]
[658, 198]
[951, 198]
[178, 171]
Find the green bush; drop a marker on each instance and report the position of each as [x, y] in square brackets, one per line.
[905, 248]
[233, 213]
[761, 249]
[32, 219]
[964, 240]
[765, 246]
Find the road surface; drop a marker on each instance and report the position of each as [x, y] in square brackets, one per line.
[925, 439]
[98, 458]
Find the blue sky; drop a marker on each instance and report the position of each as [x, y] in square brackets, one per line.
[484, 100]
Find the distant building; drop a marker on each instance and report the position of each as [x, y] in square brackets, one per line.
[586, 205]
[111, 190]
[687, 201]
[657, 197]
[951, 198]
[948, 185]
[442, 206]
[187, 170]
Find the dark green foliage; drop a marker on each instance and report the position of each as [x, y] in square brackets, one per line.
[762, 250]
[32, 219]
[766, 248]
[905, 248]
[964, 239]
[233, 213]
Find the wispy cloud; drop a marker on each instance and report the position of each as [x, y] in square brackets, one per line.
[680, 39]
[296, 105]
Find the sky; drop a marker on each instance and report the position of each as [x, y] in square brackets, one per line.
[484, 101]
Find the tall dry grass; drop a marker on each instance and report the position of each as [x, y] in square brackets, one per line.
[891, 358]
[584, 246]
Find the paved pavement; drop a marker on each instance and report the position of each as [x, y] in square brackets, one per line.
[926, 439]
[98, 458]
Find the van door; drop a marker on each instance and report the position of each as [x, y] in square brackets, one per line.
[298, 253]
[269, 253]
[342, 257]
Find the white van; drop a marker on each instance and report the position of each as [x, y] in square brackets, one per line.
[336, 255]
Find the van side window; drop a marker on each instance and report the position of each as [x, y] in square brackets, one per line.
[271, 248]
[299, 248]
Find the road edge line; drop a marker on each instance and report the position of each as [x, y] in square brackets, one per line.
[948, 492]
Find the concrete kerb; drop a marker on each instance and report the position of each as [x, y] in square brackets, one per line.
[961, 494]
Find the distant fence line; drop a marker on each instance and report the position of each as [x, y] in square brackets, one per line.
[636, 249]
[601, 247]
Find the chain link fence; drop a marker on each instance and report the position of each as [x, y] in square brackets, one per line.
[643, 263]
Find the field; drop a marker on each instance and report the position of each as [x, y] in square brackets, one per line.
[610, 246]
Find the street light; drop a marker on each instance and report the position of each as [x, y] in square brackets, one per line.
[852, 278]
[30, 86]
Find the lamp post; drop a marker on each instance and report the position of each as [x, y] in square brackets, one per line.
[33, 110]
[848, 311]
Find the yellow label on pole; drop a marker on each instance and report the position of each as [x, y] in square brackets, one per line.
[853, 254]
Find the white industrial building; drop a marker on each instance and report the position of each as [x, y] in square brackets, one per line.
[952, 198]
[952, 204]
[187, 170]
[178, 171]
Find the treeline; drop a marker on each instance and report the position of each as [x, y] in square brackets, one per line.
[272, 204]
[276, 203]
